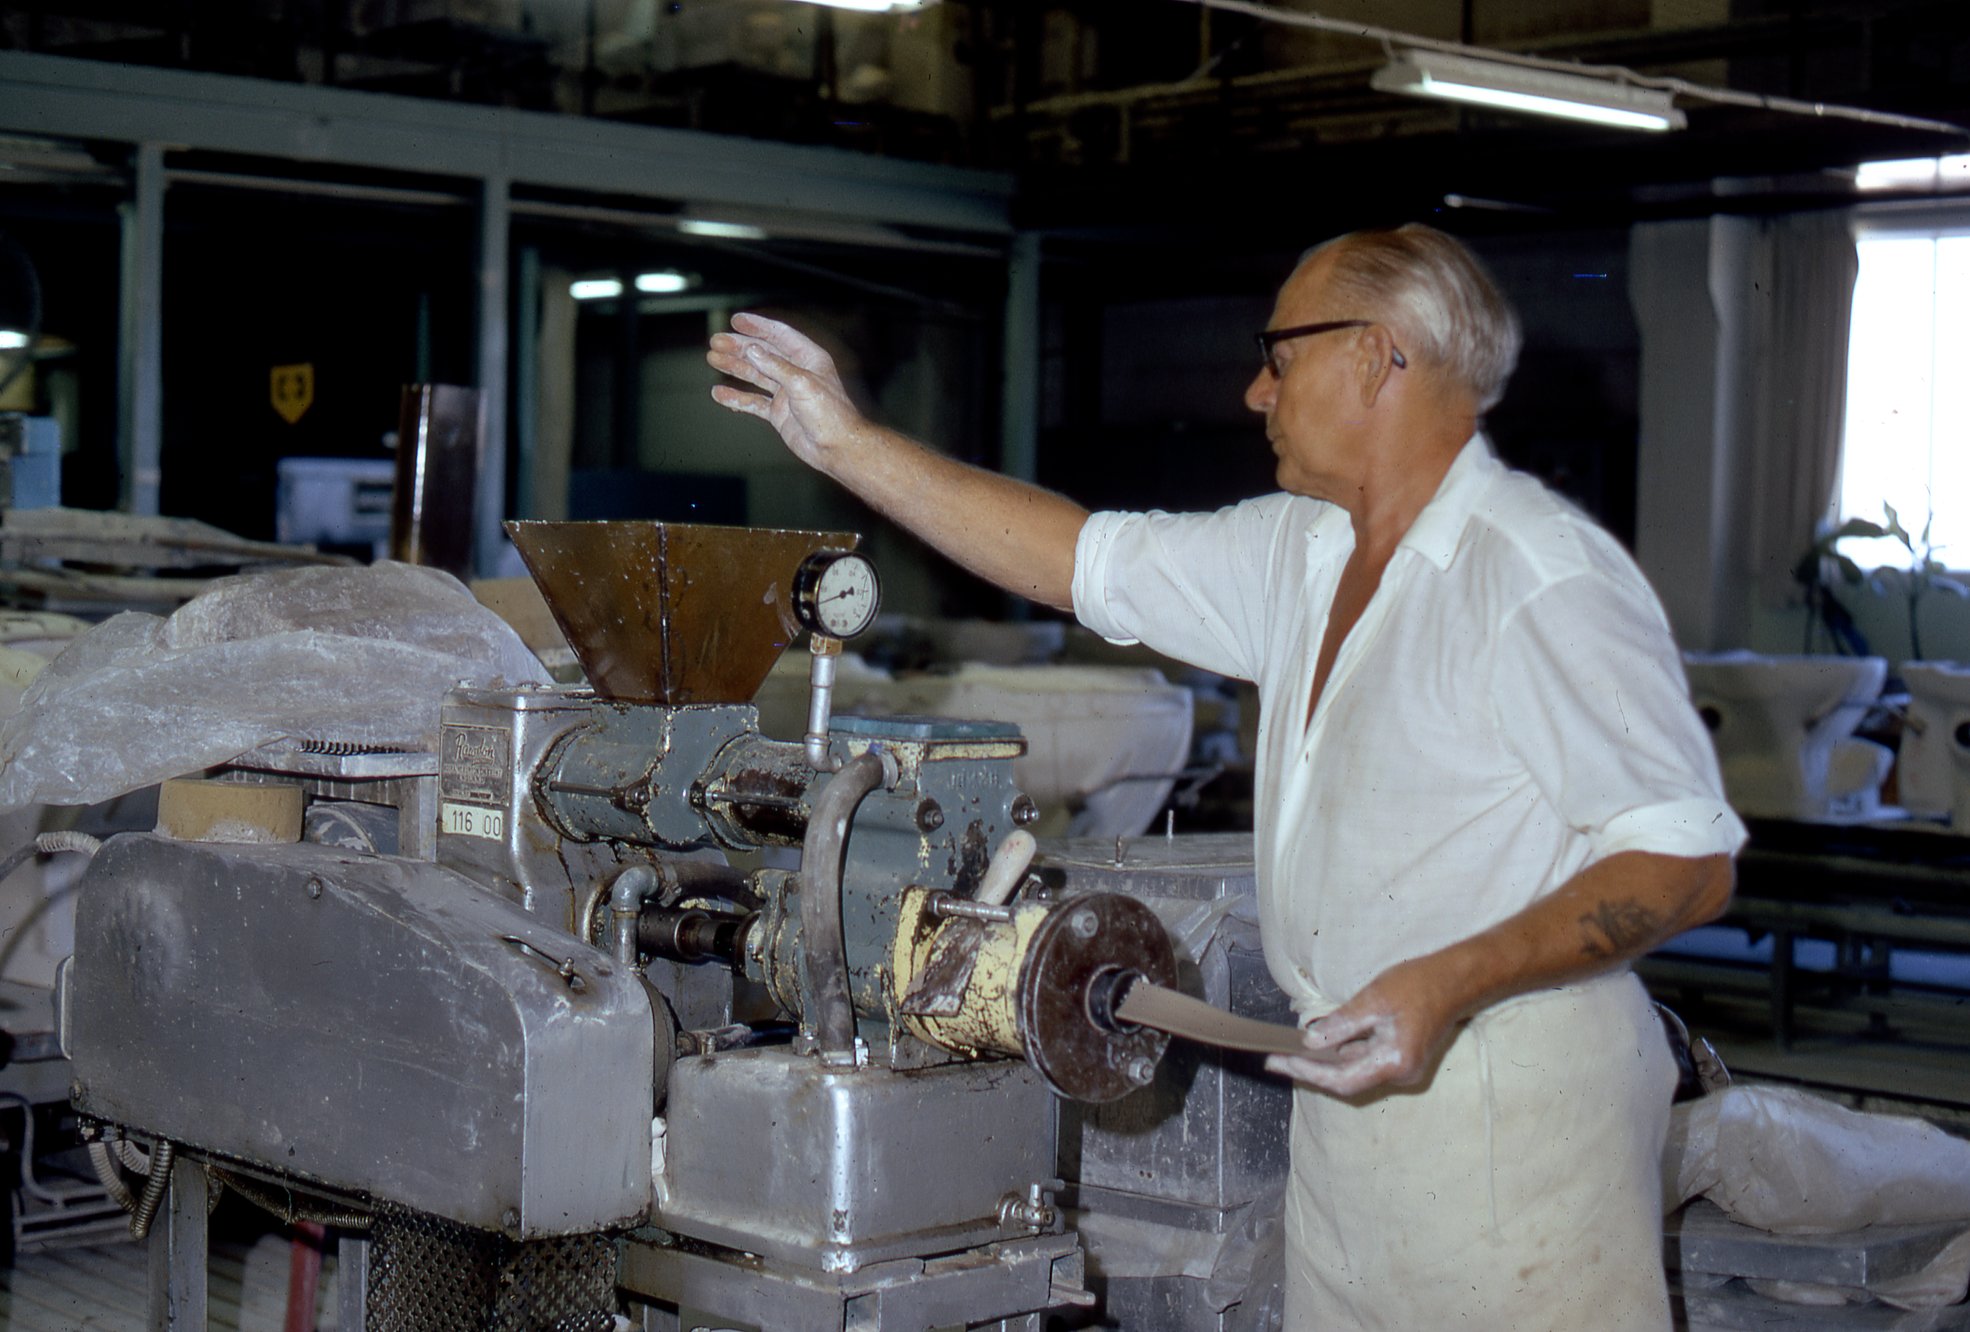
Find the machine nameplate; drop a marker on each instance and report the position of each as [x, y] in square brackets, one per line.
[475, 821]
[477, 765]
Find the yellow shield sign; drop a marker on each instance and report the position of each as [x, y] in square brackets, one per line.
[292, 390]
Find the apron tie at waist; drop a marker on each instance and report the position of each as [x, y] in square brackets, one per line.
[1488, 1094]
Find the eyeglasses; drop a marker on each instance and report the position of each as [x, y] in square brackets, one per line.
[1270, 339]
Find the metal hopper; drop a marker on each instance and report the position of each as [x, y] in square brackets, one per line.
[671, 613]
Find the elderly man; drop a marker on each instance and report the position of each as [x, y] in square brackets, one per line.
[1482, 790]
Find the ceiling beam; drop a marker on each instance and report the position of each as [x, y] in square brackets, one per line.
[67, 98]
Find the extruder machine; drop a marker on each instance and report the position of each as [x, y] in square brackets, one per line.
[620, 997]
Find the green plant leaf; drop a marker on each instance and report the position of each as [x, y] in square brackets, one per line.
[1854, 527]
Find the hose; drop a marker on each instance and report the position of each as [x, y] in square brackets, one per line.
[113, 1159]
[162, 1155]
[134, 1158]
[110, 1177]
[821, 854]
[48, 844]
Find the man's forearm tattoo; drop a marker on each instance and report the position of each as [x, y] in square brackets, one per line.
[1615, 928]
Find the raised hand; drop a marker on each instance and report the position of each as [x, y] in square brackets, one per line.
[1013, 534]
[795, 386]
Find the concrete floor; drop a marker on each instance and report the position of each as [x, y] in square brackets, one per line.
[106, 1287]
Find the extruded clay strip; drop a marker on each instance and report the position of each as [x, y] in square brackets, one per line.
[1150, 1005]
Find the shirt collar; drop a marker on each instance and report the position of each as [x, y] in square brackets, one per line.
[1439, 528]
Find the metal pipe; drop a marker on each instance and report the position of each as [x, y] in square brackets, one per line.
[821, 856]
[588, 929]
[820, 701]
[495, 223]
[692, 935]
[140, 369]
[29, 1182]
[946, 907]
[626, 897]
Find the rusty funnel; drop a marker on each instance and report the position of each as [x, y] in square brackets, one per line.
[671, 613]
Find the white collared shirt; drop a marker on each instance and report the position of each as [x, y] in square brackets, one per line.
[1509, 709]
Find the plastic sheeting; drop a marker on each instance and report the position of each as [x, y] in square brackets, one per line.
[1791, 1163]
[360, 656]
[1252, 1268]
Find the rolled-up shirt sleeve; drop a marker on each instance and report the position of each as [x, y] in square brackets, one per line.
[1191, 586]
[1591, 695]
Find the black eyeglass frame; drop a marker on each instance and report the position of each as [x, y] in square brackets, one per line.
[1270, 339]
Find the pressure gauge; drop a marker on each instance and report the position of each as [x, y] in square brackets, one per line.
[836, 593]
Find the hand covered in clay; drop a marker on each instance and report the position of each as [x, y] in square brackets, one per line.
[801, 393]
[1388, 1035]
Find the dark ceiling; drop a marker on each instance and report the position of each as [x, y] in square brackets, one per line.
[1132, 114]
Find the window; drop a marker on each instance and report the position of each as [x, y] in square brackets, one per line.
[1908, 395]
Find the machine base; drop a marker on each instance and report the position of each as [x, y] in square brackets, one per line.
[1010, 1284]
[779, 1155]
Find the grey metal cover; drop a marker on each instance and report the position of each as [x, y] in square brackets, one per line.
[1209, 1135]
[379, 1025]
[832, 1169]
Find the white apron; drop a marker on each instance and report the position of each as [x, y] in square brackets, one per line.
[1518, 1191]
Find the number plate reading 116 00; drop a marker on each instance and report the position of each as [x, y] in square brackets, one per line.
[474, 821]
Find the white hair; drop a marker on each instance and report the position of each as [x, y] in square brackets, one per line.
[1435, 294]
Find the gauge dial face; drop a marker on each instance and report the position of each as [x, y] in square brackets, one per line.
[839, 594]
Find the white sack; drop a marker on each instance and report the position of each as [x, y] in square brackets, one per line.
[1789, 1162]
[359, 655]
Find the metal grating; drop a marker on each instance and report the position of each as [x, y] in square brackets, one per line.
[431, 1275]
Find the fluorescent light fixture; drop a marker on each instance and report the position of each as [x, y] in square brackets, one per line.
[1541, 92]
[12, 340]
[877, 6]
[664, 282]
[1933, 174]
[699, 226]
